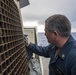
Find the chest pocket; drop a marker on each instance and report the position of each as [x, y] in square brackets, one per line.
[58, 70]
[57, 67]
[60, 67]
[55, 70]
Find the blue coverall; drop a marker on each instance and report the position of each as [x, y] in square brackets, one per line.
[64, 63]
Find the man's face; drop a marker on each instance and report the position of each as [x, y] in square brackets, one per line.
[49, 35]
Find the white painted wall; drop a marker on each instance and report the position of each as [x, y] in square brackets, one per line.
[31, 32]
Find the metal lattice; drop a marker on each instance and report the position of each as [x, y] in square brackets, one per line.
[12, 49]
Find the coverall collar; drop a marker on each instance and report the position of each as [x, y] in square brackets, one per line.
[66, 48]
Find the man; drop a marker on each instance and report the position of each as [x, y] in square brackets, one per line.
[62, 50]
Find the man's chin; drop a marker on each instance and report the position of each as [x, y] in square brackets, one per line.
[48, 41]
[51, 43]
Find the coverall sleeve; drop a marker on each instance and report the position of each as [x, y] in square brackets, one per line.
[39, 50]
[73, 65]
[73, 70]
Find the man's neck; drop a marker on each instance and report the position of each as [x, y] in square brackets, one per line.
[61, 42]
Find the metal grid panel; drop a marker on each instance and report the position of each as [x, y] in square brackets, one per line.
[13, 59]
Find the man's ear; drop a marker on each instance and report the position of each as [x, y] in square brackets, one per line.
[56, 33]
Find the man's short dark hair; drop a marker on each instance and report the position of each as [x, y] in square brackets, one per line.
[59, 23]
